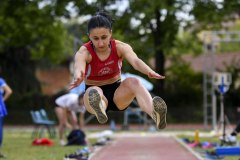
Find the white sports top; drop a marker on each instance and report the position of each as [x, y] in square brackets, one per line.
[70, 101]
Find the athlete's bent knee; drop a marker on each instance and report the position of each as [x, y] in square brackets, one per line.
[132, 80]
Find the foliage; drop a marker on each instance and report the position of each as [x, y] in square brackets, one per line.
[184, 91]
[187, 44]
[188, 82]
[36, 29]
[31, 34]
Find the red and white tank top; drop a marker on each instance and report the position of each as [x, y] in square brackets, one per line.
[103, 70]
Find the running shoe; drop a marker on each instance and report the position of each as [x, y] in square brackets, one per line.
[75, 156]
[229, 138]
[62, 142]
[95, 102]
[159, 112]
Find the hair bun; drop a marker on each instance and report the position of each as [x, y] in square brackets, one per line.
[106, 15]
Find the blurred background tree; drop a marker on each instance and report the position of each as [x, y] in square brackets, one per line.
[30, 36]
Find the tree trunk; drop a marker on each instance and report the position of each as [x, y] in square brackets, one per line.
[158, 35]
[159, 60]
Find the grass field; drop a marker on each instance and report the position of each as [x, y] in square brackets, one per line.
[17, 145]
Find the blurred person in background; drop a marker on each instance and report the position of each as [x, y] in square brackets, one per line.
[68, 106]
[5, 92]
[232, 137]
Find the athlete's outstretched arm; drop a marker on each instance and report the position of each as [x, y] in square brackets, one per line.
[81, 58]
[127, 52]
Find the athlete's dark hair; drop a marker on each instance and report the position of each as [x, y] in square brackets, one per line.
[100, 19]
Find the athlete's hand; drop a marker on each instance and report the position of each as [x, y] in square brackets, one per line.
[155, 75]
[78, 78]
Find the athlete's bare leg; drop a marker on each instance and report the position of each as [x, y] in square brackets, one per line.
[156, 107]
[129, 89]
[62, 118]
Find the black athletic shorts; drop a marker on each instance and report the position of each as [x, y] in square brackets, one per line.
[108, 91]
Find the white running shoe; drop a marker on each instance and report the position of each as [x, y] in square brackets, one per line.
[62, 142]
[159, 112]
[229, 138]
[95, 102]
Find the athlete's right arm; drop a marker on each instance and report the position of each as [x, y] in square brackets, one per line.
[7, 92]
[82, 57]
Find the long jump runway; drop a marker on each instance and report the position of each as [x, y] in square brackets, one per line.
[143, 147]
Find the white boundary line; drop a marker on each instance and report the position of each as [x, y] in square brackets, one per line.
[189, 149]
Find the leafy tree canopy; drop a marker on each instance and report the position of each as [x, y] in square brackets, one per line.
[34, 28]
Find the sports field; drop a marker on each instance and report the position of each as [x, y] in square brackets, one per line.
[132, 145]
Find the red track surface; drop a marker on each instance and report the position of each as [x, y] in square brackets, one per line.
[143, 147]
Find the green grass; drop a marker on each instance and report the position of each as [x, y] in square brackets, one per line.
[17, 145]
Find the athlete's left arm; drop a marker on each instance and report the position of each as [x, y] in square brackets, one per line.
[126, 51]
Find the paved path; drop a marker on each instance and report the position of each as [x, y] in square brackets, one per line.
[143, 146]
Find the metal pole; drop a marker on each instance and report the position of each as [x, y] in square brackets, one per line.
[223, 123]
[214, 112]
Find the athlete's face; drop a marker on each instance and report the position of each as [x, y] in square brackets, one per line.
[100, 38]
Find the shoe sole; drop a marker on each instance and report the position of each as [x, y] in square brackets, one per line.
[94, 101]
[160, 111]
